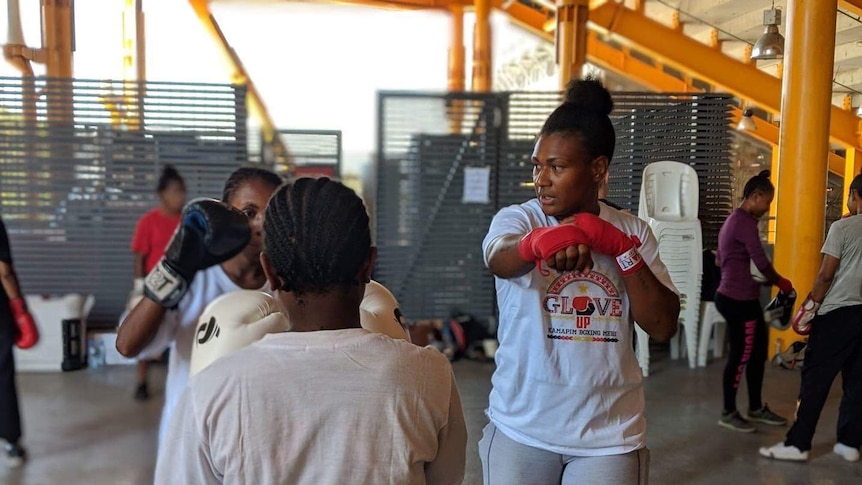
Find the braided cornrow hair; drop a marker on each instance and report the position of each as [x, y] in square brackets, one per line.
[316, 235]
[244, 174]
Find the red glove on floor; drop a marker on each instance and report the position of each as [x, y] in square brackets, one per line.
[603, 237]
[28, 334]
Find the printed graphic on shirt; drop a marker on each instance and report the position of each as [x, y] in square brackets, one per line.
[583, 308]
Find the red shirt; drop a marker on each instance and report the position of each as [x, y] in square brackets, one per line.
[152, 235]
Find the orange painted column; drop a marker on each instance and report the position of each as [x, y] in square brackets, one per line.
[482, 47]
[806, 103]
[571, 38]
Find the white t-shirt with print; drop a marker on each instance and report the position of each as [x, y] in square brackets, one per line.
[328, 407]
[567, 379]
[177, 332]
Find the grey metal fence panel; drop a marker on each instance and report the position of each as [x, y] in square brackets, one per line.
[428, 235]
[312, 153]
[71, 192]
[430, 241]
[686, 128]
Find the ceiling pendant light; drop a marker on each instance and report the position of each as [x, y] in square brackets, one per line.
[746, 123]
[770, 45]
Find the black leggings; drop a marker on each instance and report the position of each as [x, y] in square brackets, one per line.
[10, 419]
[748, 344]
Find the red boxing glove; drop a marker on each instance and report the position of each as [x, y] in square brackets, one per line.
[28, 334]
[603, 237]
[784, 285]
[807, 311]
[543, 242]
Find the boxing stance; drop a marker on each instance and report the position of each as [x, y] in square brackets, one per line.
[216, 250]
[831, 316]
[572, 276]
[327, 401]
[240, 318]
[16, 327]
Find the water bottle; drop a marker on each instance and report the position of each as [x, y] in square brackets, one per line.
[102, 354]
[92, 354]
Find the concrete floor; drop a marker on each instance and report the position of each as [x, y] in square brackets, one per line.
[84, 428]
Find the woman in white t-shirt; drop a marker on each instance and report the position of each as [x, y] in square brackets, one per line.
[150, 328]
[572, 277]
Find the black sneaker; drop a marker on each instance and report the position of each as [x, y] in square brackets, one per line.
[142, 393]
[766, 416]
[736, 422]
[15, 455]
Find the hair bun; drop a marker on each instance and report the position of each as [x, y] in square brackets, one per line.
[589, 94]
[765, 174]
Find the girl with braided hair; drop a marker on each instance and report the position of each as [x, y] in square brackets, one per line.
[326, 401]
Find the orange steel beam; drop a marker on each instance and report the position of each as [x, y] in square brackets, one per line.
[682, 52]
[238, 75]
[852, 6]
[653, 77]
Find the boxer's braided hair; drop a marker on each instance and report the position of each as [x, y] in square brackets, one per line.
[585, 114]
[243, 175]
[316, 235]
[758, 183]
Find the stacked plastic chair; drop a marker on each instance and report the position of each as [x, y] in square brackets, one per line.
[712, 324]
[669, 204]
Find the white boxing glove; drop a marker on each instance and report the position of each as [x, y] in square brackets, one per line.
[379, 312]
[136, 294]
[233, 321]
[240, 318]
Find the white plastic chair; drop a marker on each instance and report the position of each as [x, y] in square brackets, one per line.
[669, 203]
[669, 192]
[710, 320]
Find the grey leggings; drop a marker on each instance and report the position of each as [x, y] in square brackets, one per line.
[505, 462]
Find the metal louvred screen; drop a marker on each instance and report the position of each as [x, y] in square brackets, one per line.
[71, 192]
[312, 153]
[430, 238]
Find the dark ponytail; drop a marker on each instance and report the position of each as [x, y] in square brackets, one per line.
[758, 183]
[585, 113]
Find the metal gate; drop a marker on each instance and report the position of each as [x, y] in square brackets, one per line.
[72, 191]
[430, 227]
[312, 153]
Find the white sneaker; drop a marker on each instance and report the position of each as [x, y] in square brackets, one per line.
[780, 451]
[847, 452]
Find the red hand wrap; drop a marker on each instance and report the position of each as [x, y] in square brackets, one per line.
[603, 237]
[543, 242]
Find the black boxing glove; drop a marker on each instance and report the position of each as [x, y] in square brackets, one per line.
[209, 233]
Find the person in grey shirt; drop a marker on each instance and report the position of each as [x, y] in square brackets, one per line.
[832, 317]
